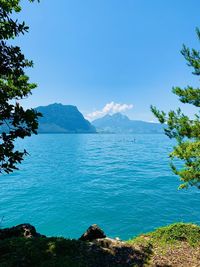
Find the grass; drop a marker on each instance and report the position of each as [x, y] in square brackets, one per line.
[41, 252]
[171, 235]
[60, 252]
[175, 245]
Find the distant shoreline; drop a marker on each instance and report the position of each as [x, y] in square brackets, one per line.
[99, 133]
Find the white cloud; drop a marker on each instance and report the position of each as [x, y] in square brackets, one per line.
[109, 108]
[153, 121]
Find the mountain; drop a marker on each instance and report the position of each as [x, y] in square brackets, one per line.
[58, 118]
[118, 123]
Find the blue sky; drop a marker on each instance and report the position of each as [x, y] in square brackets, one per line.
[94, 52]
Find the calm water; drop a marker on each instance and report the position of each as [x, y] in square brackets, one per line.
[72, 181]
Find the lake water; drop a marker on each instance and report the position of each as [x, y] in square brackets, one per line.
[72, 181]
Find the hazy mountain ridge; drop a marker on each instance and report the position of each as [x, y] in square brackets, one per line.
[118, 123]
[58, 118]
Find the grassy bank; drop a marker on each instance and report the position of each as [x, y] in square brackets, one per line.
[174, 245]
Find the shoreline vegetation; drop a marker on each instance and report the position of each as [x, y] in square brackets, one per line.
[176, 245]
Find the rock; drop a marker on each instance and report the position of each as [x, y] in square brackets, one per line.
[22, 230]
[108, 242]
[92, 233]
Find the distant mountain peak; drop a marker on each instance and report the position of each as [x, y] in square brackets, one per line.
[120, 116]
[115, 116]
[119, 123]
[59, 118]
[59, 105]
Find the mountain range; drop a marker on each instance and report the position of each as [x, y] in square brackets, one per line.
[58, 118]
[118, 123]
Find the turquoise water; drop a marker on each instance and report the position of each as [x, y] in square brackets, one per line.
[72, 181]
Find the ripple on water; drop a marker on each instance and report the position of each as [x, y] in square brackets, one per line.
[72, 181]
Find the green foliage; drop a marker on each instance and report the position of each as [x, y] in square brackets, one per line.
[42, 252]
[178, 232]
[15, 121]
[172, 234]
[60, 252]
[184, 130]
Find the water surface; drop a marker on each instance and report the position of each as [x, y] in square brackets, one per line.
[121, 182]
